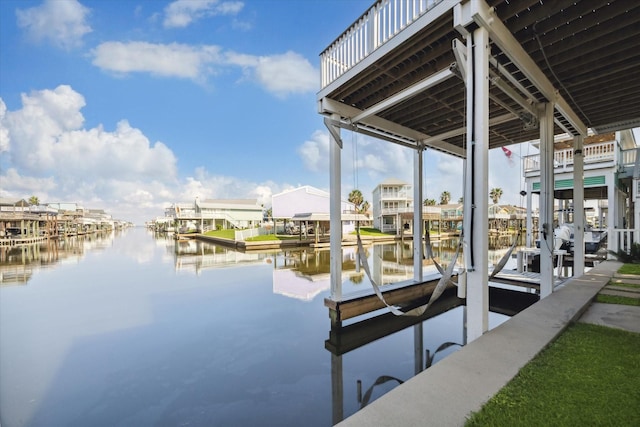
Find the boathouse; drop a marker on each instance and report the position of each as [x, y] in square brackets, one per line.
[464, 77]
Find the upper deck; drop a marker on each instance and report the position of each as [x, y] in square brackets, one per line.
[395, 73]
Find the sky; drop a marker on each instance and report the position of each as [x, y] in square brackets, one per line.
[130, 106]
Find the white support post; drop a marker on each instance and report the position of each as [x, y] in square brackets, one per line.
[612, 238]
[530, 238]
[335, 211]
[417, 215]
[545, 112]
[578, 206]
[476, 216]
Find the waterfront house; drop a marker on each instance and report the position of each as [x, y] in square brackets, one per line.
[611, 170]
[451, 216]
[393, 207]
[215, 214]
[310, 206]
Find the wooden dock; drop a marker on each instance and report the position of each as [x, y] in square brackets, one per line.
[402, 294]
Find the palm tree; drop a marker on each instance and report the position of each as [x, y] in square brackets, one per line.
[461, 200]
[445, 197]
[365, 207]
[430, 202]
[495, 194]
[356, 198]
[34, 201]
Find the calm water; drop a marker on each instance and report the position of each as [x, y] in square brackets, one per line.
[134, 330]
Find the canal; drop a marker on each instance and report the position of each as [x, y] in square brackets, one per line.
[134, 329]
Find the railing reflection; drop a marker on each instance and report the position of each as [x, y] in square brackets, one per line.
[303, 273]
[19, 263]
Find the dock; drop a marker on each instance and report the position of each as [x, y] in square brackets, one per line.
[448, 392]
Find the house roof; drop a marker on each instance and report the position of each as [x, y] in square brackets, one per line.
[306, 188]
[230, 203]
[4, 201]
[393, 181]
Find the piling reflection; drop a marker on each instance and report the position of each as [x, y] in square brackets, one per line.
[19, 263]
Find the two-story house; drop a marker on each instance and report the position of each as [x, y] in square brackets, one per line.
[392, 205]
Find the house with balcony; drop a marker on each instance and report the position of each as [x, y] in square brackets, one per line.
[214, 214]
[611, 171]
[392, 205]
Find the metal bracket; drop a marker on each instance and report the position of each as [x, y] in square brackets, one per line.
[330, 124]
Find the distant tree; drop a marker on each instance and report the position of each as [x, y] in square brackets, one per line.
[356, 198]
[445, 197]
[34, 201]
[429, 202]
[495, 194]
[270, 213]
[461, 199]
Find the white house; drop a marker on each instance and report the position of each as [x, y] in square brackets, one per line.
[309, 204]
[391, 199]
[211, 214]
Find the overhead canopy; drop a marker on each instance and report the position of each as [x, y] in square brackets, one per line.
[582, 55]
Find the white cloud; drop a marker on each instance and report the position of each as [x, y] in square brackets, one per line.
[47, 137]
[281, 75]
[315, 152]
[182, 13]
[11, 179]
[63, 23]
[168, 60]
[50, 154]
[287, 74]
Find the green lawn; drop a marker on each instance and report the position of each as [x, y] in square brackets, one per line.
[630, 269]
[268, 237]
[224, 234]
[369, 231]
[616, 299]
[589, 376]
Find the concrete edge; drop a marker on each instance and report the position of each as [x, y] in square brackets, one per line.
[448, 392]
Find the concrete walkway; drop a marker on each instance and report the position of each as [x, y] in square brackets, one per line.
[446, 393]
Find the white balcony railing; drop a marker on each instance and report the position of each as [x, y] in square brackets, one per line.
[596, 153]
[379, 24]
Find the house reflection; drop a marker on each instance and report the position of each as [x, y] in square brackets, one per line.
[19, 263]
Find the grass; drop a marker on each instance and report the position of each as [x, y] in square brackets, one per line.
[616, 299]
[630, 269]
[589, 376]
[224, 234]
[269, 237]
[626, 285]
[369, 231]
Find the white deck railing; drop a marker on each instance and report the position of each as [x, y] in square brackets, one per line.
[379, 24]
[596, 153]
[622, 239]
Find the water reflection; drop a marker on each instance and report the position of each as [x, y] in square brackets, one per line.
[19, 263]
[134, 329]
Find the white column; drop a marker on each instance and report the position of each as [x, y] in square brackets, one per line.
[612, 239]
[476, 198]
[417, 215]
[335, 212]
[636, 208]
[578, 206]
[530, 239]
[545, 112]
